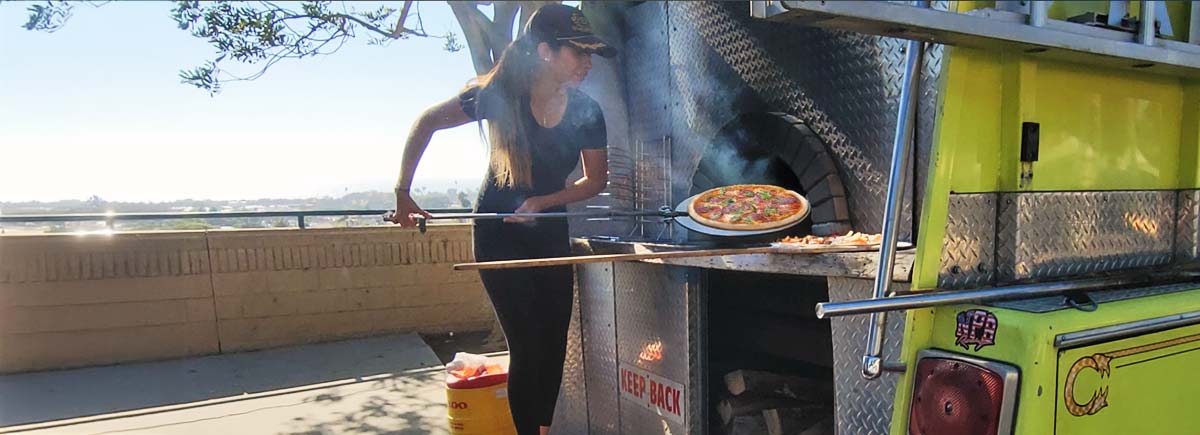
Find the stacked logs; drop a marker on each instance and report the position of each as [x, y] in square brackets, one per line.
[770, 403]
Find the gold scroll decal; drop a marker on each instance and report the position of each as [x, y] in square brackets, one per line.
[1100, 363]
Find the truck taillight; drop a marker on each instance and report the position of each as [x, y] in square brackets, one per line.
[954, 394]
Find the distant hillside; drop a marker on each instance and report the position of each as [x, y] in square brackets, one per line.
[449, 198]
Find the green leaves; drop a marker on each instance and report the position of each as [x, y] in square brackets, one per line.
[203, 77]
[452, 45]
[260, 33]
[49, 17]
[263, 33]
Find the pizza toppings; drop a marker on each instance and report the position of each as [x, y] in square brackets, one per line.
[852, 238]
[748, 207]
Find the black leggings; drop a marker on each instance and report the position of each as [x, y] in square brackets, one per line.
[534, 308]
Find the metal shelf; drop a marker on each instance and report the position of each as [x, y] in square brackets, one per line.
[991, 29]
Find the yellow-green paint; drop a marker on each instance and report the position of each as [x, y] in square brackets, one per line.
[1101, 129]
[1105, 129]
[1025, 340]
[1150, 387]
[1189, 137]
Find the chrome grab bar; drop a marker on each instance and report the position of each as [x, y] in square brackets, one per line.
[872, 362]
[954, 297]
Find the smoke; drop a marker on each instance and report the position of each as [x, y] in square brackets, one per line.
[737, 154]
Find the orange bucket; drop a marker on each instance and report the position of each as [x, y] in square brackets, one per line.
[477, 404]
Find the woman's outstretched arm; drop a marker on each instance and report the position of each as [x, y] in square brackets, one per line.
[594, 180]
[440, 116]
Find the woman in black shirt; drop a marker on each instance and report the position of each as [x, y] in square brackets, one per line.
[539, 127]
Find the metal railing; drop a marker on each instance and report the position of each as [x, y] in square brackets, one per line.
[111, 218]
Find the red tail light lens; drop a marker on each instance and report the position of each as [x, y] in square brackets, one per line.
[953, 396]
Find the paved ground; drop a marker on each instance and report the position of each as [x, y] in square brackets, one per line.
[379, 385]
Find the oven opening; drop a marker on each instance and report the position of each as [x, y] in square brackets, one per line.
[776, 149]
[769, 358]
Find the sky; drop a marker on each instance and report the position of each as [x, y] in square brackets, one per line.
[97, 108]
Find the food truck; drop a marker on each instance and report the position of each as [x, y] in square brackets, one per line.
[1032, 169]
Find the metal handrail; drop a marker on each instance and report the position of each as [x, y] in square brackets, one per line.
[872, 360]
[109, 218]
[955, 297]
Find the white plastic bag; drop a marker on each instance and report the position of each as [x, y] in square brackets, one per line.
[466, 365]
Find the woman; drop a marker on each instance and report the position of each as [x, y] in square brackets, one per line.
[539, 128]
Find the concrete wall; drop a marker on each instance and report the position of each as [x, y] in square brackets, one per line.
[68, 300]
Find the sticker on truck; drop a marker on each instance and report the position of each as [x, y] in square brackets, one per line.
[975, 327]
[661, 396]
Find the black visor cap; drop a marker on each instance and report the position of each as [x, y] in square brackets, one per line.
[567, 24]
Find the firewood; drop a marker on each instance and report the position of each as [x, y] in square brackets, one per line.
[750, 404]
[796, 387]
[793, 421]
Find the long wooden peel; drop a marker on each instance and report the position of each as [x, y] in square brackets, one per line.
[606, 258]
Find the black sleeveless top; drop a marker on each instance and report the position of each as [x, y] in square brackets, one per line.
[555, 150]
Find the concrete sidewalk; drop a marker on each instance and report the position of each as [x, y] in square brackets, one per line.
[407, 403]
[376, 385]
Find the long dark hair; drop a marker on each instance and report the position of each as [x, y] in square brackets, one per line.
[509, 83]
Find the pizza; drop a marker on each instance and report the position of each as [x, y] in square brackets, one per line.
[748, 207]
[850, 239]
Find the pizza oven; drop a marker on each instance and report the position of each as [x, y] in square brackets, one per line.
[701, 97]
[776, 149]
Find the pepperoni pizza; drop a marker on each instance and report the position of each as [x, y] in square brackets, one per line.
[748, 207]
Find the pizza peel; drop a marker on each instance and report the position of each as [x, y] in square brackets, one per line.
[679, 215]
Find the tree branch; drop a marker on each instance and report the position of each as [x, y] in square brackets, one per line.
[504, 13]
[473, 24]
[382, 32]
[400, 22]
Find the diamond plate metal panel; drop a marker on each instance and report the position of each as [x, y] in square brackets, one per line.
[1055, 303]
[1055, 234]
[652, 311]
[648, 91]
[570, 411]
[969, 246]
[844, 86]
[863, 407]
[597, 314]
[1187, 226]
[697, 303]
[606, 85]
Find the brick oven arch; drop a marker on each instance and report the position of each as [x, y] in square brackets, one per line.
[779, 149]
